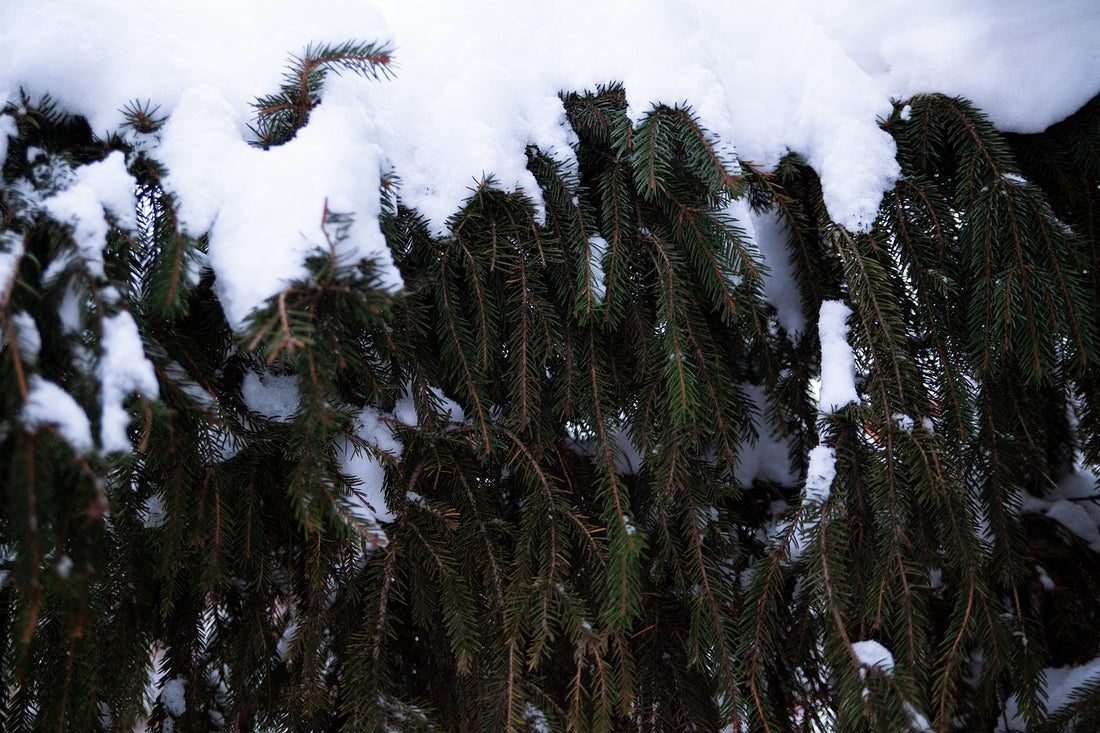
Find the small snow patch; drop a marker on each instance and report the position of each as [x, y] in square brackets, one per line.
[172, 696]
[597, 246]
[873, 654]
[123, 369]
[903, 421]
[274, 396]
[819, 475]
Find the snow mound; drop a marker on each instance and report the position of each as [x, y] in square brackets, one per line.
[470, 95]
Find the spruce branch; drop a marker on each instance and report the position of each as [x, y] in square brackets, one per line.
[279, 116]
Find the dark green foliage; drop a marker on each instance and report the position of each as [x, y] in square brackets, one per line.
[574, 551]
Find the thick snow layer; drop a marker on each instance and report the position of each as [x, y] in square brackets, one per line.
[816, 100]
[838, 367]
[264, 209]
[1026, 64]
[478, 81]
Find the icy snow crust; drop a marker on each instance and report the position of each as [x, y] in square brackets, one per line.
[478, 81]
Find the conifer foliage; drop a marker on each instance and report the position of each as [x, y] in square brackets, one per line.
[558, 403]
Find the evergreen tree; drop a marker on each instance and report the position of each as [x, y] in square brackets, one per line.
[560, 400]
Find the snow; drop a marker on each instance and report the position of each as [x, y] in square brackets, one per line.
[27, 338]
[122, 369]
[768, 458]
[1044, 578]
[450, 409]
[97, 187]
[768, 231]
[628, 459]
[838, 387]
[819, 475]
[172, 696]
[1083, 483]
[935, 580]
[264, 209]
[11, 250]
[903, 421]
[368, 501]
[818, 101]
[873, 654]
[1061, 684]
[69, 311]
[1073, 504]
[917, 720]
[153, 513]
[1025, 64]
[469, 96]
[405, 408]
[597, 246]
[1077, 519]
[8, 129]
[49, 405]
[274, 396]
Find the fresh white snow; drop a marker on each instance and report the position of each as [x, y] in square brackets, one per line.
[838, 368]
[1073, 504]
[264, 209]
[903, 421]
[597, 246]
[873, 654]
[768, 457]
[27, 338]
[836, 389]
[49, 405]
[11, 250]
[97, 188]
[470, 95]
[368, 501]
[122, 369]
[7, 129]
